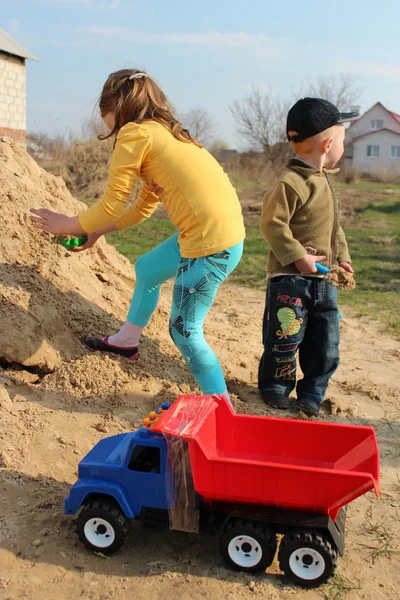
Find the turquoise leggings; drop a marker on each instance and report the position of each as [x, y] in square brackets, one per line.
[196, 284]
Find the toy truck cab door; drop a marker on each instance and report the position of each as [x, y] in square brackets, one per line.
[145, 476]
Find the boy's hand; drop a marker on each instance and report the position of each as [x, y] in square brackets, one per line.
[306, 264]
[53, 222]
[347, 267]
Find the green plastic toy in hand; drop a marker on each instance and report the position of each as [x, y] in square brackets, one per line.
[72, 242]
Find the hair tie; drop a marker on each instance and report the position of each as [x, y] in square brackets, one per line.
[137, 76]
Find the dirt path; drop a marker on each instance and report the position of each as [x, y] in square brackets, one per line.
[48, 423]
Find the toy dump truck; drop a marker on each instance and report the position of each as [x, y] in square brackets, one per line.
[199, 466]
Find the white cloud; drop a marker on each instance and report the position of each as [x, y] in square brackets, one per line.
[264, 46]
[77, 44]
[215, 38]
[105, 30]
[391, 72]
[113, 4]
[12, 25]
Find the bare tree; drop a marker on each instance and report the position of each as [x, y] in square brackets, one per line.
[200, 125]
[218, 144]
[341, 90]
[260, 121]
[46, 149]
[261, 118]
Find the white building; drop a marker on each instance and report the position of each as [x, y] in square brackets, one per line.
[13, 88]
[373, 142]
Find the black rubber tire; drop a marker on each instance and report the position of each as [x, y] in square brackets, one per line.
[110, 512]
[264, 537]
[307, 539]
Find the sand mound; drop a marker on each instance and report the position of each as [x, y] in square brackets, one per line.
[57, 401]
[49, 297]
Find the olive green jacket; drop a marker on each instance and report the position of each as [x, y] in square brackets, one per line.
[302, 213]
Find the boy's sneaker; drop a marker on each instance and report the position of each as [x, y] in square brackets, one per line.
[275, 400]
[309, 407]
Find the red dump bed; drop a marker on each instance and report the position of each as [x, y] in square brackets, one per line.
[289, 463]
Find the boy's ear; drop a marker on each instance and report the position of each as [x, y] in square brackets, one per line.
[326, 145]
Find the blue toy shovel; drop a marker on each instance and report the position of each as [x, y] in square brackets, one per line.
[338, 277]
[322, 269]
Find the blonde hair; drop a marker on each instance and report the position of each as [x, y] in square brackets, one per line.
[309, 145]
[138, 99]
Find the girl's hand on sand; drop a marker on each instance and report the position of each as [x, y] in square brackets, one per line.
[306, 264]
[53, 222]
[92, 239]
[347, 267]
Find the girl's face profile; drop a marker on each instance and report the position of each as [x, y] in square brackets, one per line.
[109, 120]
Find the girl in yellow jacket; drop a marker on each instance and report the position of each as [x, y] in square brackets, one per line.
[200, 201]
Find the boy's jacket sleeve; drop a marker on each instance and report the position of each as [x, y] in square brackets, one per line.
[344, 255]
[143, 208]
[279, 206]
[131, 149]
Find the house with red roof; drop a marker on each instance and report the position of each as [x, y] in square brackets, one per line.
[373, 141]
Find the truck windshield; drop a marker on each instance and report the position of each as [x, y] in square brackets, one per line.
[145, 459]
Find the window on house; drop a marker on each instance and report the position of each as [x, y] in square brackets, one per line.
[377, 124]
[373, 151]
[395, 152]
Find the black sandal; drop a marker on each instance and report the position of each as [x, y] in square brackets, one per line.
[95, 344]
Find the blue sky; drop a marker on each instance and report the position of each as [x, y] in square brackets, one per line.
[204, 53]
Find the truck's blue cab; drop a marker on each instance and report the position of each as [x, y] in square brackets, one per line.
[130, 468]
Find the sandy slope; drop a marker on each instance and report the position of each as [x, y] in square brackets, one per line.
[45, 432]
[56, 401]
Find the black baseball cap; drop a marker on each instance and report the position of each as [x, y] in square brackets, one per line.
[310, 116]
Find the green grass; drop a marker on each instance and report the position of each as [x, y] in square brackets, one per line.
[374, 245]
[240, 182]
[138, 240]
[134, 242]
[375, 250]
[364, 184]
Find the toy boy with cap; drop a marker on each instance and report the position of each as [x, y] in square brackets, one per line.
[301, 222]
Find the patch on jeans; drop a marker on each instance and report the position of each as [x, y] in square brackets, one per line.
[290, 325]
[285, 299]
[284, 359]
[286, 372]
[285, 347]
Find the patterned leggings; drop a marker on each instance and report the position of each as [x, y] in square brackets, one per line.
[196, 284]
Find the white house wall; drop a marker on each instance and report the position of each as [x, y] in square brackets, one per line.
[363, 124]
[384, 163]
[12, 97]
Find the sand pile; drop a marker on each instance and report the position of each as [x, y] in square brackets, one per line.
[50, 297]
[57, 401]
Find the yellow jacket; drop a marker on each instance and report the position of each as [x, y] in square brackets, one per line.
[194, 189]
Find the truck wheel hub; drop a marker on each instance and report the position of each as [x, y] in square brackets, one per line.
[307, 563]
[99, 533]
[245, 551]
